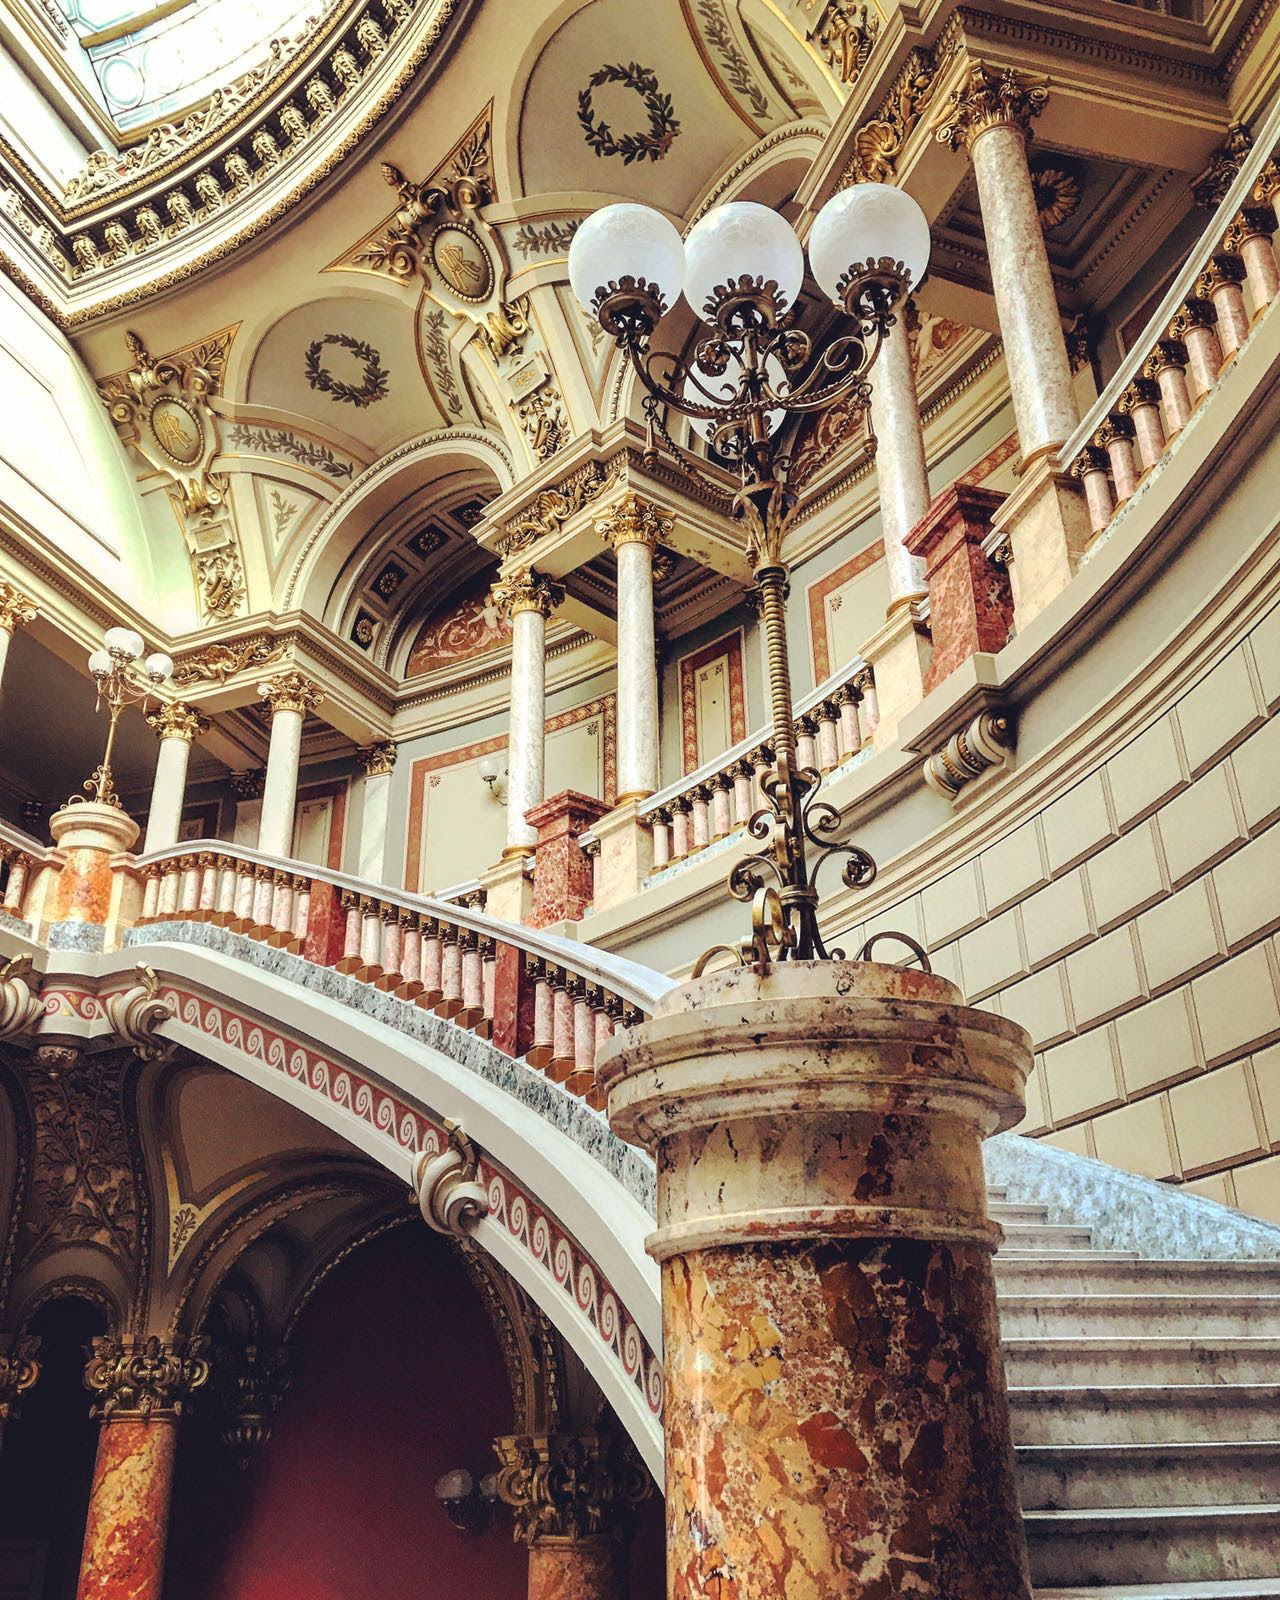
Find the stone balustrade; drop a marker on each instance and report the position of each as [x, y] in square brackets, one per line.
[21, 857]
[833, 724]
[1202, 324]
[537, 997]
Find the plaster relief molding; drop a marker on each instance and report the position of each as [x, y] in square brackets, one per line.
[20, 1007]
[143, 1377]
[136, 1015]
[982, 744]
[449, 1197]
[563, 1486]
[171, 186]
[878, 142]
[217, 663]
[551, 508]
[16, 611]
[845, 37]
[19, 1370]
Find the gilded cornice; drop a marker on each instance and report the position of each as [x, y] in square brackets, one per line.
[102, 246]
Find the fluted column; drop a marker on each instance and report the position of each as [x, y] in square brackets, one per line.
[290, 697]
[19, 1370]
[377, 762]
[836, 1417]
[570, 1496]
[633, 527]
[16, 611]
[142, 1384]
[991, 114]
[176, 726]
[902, 476]
[527, 599]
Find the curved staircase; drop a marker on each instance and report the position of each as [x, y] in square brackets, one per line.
[1145, 1397]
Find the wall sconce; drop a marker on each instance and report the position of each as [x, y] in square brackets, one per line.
[468, 1506]
[494, 775]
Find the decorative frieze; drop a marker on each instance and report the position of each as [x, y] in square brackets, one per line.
[553, 507]
[879, 141]
[143, 1377]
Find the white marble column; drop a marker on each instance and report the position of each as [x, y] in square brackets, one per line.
[902, 476]
[528, 599]
[290, 697]
[176, 726]
[634, 527]
[990, 114]
[15, 612]
[378, 762]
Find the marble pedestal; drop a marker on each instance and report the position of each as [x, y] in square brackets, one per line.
[1047, 520]
[91, 900]
[836, 1417]
[626, 854]
[562, 875]
[508, 888]
[899, 655]
[970, 603]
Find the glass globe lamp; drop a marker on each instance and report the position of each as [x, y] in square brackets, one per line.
[741, 240]
[868, 235]
[158, 666]
[126, 642]
[100, 664]
[626, 266]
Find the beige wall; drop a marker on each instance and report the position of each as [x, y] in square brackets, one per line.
[1130, 926]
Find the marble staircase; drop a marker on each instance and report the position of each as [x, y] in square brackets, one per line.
[1146, 1415]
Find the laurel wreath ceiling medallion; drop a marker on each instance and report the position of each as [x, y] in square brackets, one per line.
[664, 125]
[374, 384]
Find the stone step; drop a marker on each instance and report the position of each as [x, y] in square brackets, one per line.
[1044, 1363]
[1047, 1236]
[1090, 1477]
[1138, 1315]
[1146, 1544]
[996, 1192]
[1145, 1413]
[1249, 1589]
[1079, 1257]
[1099, 1273]
[1009, 1214]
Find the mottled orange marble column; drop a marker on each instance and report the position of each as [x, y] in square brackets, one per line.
[92, 837]
[836, 1418]
[128, 1524]
[566, 1569]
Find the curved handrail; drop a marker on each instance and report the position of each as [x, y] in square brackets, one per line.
[637, 985]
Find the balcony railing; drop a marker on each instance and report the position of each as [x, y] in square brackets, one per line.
[536, 996]
[1200, 327]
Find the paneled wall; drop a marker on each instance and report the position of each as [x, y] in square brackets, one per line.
[1130, 926]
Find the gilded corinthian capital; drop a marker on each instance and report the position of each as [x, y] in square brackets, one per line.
[144, 1376]
[633, 520]
[991, 97]
[291, 691]
[576, 1486]
[19, 1370]
[15, 609]
[178, 721]
[526, 591]
[377, 760]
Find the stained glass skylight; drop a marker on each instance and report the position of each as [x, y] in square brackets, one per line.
[153, 60]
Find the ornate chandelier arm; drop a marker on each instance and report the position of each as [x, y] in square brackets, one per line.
[847, 358]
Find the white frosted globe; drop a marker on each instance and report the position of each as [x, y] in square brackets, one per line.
[159, 666]
[741, 237]
[625, 240]
[863, 223]
[125, 640]
[100, 664]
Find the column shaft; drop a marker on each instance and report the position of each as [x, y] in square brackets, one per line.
[525, 752]
[836, 1418]
[378, 762]
[168, 788]
[567, 1569]
[637, 672]
[128, 1523]
[902, 477]
[279, 796]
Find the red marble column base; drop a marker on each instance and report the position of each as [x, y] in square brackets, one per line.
[562, 875]
[569, 1569]
[970, 602]
[836, 1424]
[128, 1523]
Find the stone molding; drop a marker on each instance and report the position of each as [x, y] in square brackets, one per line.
[142, 1377]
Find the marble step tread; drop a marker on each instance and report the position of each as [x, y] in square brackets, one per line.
[1231, 1589]
[1194, 1314]
[1096, 1477]
[1135, 1544]
[1036, 1361]
[1113, 1272]
[1143, 1413]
